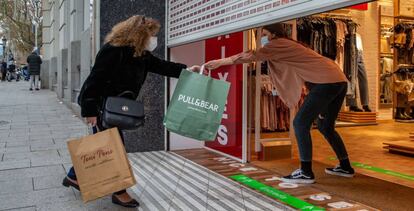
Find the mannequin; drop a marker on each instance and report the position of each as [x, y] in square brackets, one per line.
[362, 81]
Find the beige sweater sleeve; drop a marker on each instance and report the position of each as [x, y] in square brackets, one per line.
[276, 49]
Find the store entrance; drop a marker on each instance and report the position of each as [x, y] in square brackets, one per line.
[373, 44]
[374, 47]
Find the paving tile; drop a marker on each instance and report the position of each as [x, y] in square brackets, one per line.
[31, 172]
[40, 130]
[47, 182]
[31, 143]
[7, 150]
[10, 201]
[77, 205]
[7, 165]
[52, 161]
[4, 135]
[12, 186]
[24, 209]
[46, 154]
[67, 166]
[17, 143]
[32, 137]
[48, 147]
[64, 153]
[13, 139]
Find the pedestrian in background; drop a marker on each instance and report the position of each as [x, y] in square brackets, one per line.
[34, 61]
[3, 70]
[11, 67]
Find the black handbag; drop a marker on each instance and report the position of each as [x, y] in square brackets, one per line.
[122, 112]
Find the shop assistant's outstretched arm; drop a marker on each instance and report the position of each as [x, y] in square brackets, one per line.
[245, 57]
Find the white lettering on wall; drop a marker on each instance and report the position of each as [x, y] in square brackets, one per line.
[222, 131]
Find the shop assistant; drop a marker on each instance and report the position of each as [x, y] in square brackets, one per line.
[293, 65]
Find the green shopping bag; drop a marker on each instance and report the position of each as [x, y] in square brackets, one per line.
[197, 106]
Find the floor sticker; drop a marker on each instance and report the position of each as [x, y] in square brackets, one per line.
[248, 169]
[320, 197]
[236, 165]
[275, 193]
[273, 179]
[380, 170]
[340, 205]
[288, 185]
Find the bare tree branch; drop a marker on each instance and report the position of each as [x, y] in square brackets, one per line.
[16, 20]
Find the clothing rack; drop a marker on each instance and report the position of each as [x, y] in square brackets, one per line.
[391, 55]
[406, 66]
[333, 16]
[404, 18]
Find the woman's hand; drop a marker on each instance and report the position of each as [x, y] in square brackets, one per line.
[91, 120]
[214, 64]
[195, 68]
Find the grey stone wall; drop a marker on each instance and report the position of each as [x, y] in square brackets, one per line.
[53, 73]
[151, 136]
[44, 74]
[74, 70]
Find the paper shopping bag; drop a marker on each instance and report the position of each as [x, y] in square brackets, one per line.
[197, 106]
[101, 164]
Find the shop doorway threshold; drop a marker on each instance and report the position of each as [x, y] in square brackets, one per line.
[329, 192]
[167, 181]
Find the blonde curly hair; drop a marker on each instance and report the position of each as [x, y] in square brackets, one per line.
[134, 32]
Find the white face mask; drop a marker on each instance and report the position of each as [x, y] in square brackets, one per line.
[153, 42]
[264, 40]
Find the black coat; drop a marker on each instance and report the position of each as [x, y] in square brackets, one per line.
[34, 61]
[115, 71]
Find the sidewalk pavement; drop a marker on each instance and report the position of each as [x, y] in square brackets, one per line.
[34, 128]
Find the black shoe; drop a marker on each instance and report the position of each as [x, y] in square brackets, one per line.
[131, 204]
[37, 89]
[407, 116]
[355, 109]
[366, 108]
[299, 176]
[399, 114]
[67, 183]
[31, 89]
[338, 171]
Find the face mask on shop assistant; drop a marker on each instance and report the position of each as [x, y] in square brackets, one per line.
[153, 42]
[264, 40]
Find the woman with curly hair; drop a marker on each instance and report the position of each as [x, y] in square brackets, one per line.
[122, 65]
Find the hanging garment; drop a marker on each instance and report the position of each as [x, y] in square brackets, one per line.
[386, 88]
[351, 63]
[341, 33]
[385, 45]
[274, 115]
[387, 65]
[362, 83]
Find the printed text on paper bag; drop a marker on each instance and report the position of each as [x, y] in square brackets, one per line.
[96, 157]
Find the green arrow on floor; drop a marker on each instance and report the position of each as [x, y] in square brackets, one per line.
[275, 193]
[380, 170]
